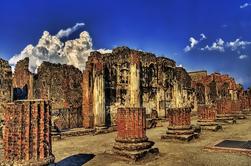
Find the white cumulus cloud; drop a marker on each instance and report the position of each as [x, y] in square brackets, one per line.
[245, 5]
[216, 46]
[194, 42]
[243, 56]
[66, 32]
[203, 36]
[50, 48]
[238, 43]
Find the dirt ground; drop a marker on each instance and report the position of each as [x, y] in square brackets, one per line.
[91, 150]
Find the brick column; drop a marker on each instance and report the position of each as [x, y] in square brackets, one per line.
[224, 111]
[131, 141]
[207, 113]
[87, 112]
[207, 117]
[179, 118]
[179, 127]
[27, 133]
[236, 110]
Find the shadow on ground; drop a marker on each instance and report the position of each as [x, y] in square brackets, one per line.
[75, 160]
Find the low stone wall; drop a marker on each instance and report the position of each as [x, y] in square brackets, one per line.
[67, 118]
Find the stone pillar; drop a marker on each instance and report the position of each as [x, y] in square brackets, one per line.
[27, 133]
[207, 117]
[131, 141]
[224, 112]
[236, 110]
[87, 111]
[134, 84]
[179, 127]
[99, 95]
[245, 108]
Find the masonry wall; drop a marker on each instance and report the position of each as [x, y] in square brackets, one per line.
[161, 84]
[62, 84]
[5, 85]
[22, 81]
[27, 130]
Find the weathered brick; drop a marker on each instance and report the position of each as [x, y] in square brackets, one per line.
[27, 132]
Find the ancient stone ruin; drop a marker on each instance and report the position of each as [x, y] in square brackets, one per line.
[5, 85]
[110, 80]
[131, 141]
[59, 83]
[117, 90]
[27, 133]
[179, 127]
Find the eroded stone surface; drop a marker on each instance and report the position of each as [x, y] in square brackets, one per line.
[27, 133]
[5, 85]
[132, 79]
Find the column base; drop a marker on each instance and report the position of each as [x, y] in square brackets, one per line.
[247, 112]
[239, 115]
[100, 129]
[134, 149]
[225, 119]
[209, 125]
[44, 162]
[180, 134]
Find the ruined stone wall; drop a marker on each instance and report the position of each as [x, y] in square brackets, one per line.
[131, 76]
[183, 91]
[62, 84]
[196, 75]
[27, 132]
[22, 81]
[5, 85]
[209, 88]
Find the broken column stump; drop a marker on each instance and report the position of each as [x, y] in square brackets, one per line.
[27, 133]
[179, 127]
[224, 114]
[131, 141]
[236, 110]
[246, 106]
[207, 117]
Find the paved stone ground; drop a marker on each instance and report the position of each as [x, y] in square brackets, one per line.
[89, 150]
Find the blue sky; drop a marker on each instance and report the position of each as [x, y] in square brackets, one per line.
[215, 33]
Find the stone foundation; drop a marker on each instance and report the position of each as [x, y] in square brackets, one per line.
[180, 125]
[27, 133]
[207, 117]
[131, 141]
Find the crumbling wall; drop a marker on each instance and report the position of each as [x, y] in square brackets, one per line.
[62, 85]
[158, 78]
[22, 81]
[5, 84]
[209, 88]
